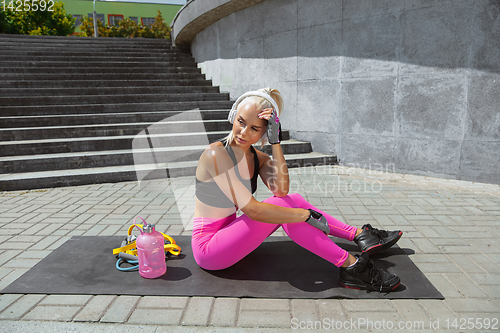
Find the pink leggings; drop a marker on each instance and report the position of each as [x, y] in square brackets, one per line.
[220, 243]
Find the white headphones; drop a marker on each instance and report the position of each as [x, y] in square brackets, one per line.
[234, 109]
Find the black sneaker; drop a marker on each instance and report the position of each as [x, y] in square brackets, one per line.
[372, 240]
[364, 275]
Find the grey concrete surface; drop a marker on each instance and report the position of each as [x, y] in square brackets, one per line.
[410, 84]
[451, 225]
[194, 17]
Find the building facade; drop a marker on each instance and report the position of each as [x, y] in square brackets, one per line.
[111, 12]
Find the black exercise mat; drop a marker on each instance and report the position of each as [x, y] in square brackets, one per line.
[278, 268]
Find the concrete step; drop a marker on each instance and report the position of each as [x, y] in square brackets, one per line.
[309, 159]
[57, 76]
[119, 142]
[89, 47]
[26, 84]
[81, 40]
[107, 118]
[74, 177]
[109, 63]
[52, 40]
[110, 142]
[43, 43]
[100, 51]
[95, 91]
[8, 111]
[13, 55]
[102, 71]
[56, 42]
[110, 99]
[98, 159]
[109, 130]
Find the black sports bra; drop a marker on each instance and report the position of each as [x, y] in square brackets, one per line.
[209, 192]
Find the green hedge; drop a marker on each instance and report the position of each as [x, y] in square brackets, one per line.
[126, 28]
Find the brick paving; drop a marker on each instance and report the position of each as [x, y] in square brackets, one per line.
[453, 227]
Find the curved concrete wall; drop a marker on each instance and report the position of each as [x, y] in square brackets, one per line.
[411, 86]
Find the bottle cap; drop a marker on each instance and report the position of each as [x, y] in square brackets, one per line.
[148, 228]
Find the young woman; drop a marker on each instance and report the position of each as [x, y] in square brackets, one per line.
[226, 179]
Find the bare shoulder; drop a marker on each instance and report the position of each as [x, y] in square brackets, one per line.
[213, 148]
[206, 166]
[216, 144]
[214, 161]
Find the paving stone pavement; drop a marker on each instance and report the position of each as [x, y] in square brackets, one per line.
[453, 227]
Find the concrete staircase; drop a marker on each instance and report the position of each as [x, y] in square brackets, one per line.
[79, 111]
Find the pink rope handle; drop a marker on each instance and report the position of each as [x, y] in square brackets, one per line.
[135, 224]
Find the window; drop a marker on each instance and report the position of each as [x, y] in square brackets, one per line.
[135, 19]
[113, 19]
[78, 20]
[147, 21]
[100, 17]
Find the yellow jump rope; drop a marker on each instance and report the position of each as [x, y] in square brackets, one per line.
[127, 252]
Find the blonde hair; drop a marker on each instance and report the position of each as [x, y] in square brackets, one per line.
[260, 103]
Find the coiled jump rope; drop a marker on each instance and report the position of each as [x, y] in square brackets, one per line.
[127, 252]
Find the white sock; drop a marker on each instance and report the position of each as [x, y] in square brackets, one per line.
[354, 263]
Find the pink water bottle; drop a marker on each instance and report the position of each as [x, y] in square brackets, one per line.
[151, 252]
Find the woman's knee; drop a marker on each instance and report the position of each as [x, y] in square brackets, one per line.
[285, 201]
[296, 196]
[299, 201]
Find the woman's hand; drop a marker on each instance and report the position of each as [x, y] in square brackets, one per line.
[266, 113]
[273, 125]
[317, 220]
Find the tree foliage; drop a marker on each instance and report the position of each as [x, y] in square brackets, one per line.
[36, 22]
[126, 28]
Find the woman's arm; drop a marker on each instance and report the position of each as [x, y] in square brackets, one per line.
[274, 172]
[282, 181]
[268, 213]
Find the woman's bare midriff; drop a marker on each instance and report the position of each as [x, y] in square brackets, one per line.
[203, 210]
